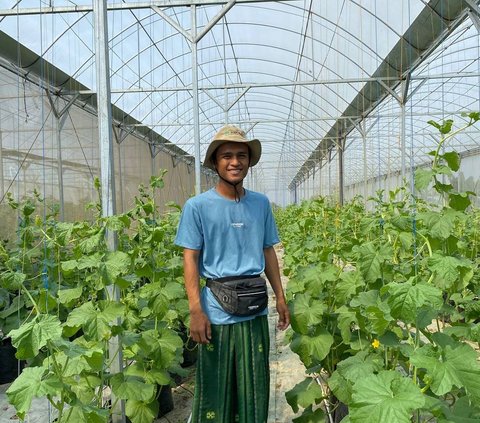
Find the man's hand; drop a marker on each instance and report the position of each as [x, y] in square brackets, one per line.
[283, 314]
[200, 329]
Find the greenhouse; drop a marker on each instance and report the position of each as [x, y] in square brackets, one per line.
[367, 112]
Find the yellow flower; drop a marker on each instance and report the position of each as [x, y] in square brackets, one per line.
[375, 343]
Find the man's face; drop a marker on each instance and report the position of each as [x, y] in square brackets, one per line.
[232, 160]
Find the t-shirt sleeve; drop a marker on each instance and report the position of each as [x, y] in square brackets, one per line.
[271, 233]
[189, 232]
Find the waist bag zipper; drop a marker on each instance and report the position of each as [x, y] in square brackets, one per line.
[252, 293]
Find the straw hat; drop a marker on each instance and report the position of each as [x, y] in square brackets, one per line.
[230, 133]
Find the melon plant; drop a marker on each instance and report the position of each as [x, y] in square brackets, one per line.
[385, 303]
[64, 319]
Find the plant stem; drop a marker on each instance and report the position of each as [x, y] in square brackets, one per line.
[321, 382]
[427, 242]
[35, 305]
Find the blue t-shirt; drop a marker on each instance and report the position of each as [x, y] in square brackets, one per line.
[230, 236]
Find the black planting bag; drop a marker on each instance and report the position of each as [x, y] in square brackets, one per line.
[240, 295]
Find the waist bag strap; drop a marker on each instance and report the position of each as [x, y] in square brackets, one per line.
[232, 278]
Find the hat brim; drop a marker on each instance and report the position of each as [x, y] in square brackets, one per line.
[254, 146]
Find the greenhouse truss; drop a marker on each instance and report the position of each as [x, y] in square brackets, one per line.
[368, 113]
[339, 92]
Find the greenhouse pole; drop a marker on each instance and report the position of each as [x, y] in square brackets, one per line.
[196, 117]
[329, 172]
[402, 137]
[2, 180]
[104, 105]
[403, 126]
[60, 120]
[341, 143]
[320, 179]
[364, 139]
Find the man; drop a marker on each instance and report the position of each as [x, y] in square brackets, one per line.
[229, 232]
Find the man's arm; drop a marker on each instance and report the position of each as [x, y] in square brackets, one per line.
[273, 274]
[200, 329]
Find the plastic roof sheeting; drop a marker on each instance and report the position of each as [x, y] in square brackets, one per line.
[298, 75]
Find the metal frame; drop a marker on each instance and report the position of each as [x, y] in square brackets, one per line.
[215, 103]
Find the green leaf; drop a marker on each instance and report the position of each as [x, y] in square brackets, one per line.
[93, 261]
[439, 224]
[85, 414]
[453, 160]
[386, 397]
[463, 411]
[17, 304]
[304, 394]
[92, 243]
[365, 299]
[96, 323]
[116, 263]
[360, 366]
[474, 116]
[444, 128]
[132, 387]
[141, 412]
[305, 313]
[459, 201]
[423, 178]
[406, 298]
[443, 170]
[347, 285]
[116, 223]
[67, 295]
[403, 223]
[63, 232]
[450, 366]
[450, 271]
[162, 345]
[315, 277]
[312, 349]
[150, 375]
[31, 336]
[74, 359]
[13, 280]
[378, 317]
[310, 416]
[439, 187]
[69, 265]
[341, 387]
[371, 258]
[345, 320]
[173, 205]
[30, 384]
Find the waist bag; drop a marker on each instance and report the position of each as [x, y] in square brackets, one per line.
[240, 295]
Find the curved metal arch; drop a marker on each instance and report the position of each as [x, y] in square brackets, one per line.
[309, 88]
[69, 28]
[282, 88]
[295, 52]
[253, 24]
[439, 54]
[334, 24]
[185, 53]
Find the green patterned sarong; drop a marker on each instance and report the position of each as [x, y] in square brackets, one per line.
[233, 378]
